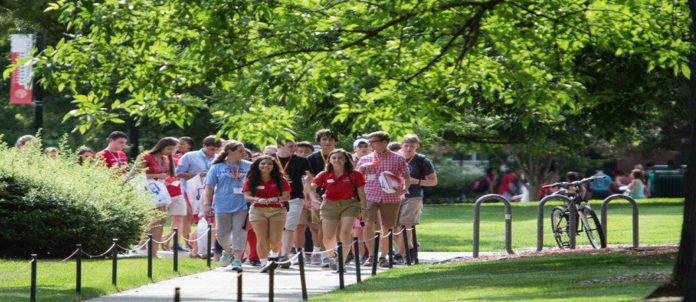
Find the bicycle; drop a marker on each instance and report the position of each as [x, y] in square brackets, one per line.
[560, 215]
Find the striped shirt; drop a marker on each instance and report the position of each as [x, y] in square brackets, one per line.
[372, 165]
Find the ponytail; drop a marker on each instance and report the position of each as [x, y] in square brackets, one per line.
[231, 145]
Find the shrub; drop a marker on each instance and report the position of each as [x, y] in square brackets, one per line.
[48, 205]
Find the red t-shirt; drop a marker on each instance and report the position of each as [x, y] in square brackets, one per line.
[116, 159]
[153, 167]
[341, 188]
[267, 189]
[505, 183]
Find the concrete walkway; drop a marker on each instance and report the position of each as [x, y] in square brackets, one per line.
[221, 284]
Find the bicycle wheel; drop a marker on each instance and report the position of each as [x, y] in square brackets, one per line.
[559, 226]
[592, 226]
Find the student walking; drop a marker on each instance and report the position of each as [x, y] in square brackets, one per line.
[226, 178]
[113, 156]
[267, 191]
[344, 200]
[380, 203]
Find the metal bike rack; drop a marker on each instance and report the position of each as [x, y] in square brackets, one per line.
[635, 216]
[572, 220]
[508, 221]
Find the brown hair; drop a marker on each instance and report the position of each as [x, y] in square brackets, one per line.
[254, 175]
[161, 144]
[325, 133]
[380, 135]
[411, 139]
[211, 140]
[348, 166]
[231, 145]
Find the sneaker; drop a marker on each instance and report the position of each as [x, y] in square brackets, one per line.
[333, 263]
[284, 259]
[255, 262]
[363, 259]
[383, 262]
[315, 259]
[368, 261]
[325, 262]
[225, 259]
[236, 265]
[398, 259]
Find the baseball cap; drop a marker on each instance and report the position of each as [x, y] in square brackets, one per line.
[359, 141]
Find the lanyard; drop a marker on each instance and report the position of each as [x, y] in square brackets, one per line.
[410, 160]
[205, 160]
[117, 158]
[284, 168]
[322, 157]
[376, 160]
[163, 167]
[236, 172]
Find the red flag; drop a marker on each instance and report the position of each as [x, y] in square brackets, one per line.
[20, 79]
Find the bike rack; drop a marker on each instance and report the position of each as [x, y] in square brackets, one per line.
[508, 221]
[572, 220]
[635, 216]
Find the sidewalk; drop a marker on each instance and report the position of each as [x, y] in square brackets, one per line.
[221, 284]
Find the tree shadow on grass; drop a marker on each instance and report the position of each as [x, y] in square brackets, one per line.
[48, 293]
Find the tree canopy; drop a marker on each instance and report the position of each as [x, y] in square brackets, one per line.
[492, 71]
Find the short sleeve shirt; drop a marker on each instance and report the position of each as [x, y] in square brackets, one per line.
[228, 180]
[340, 188]
[420, 167]
[193, 162]
[507, 179]
[372, 165]
[267, 189]
[117, 159]
[318, 162]
[295, 168]
[601, 184]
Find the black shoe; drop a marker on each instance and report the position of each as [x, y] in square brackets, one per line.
[398, 259]
[284, 259]
[383, 262]
[255, 262]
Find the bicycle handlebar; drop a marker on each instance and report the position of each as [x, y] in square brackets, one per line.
[574, 183]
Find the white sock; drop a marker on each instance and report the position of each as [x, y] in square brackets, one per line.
[316, 249]
[264, 262]
[273, 254]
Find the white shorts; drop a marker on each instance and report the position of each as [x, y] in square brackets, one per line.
[294, 212]
[178, 206]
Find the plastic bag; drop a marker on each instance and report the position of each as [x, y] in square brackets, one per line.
[160, 195]
[202, 236]
[194, 192]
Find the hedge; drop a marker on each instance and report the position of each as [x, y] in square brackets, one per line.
[48, 205]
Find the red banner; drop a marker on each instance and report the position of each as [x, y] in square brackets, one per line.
[20, 79]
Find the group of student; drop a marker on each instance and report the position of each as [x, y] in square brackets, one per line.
[261, 204]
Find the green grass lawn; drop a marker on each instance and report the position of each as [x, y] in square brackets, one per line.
[56, 280]
[450, 227]
[541, 278]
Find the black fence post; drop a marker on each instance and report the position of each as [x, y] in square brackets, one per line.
[32, 295]
[176, 250]
[239, 284]
[391, 248]
[356, 253]
[375, 254]
[271, 275]
[209, 251]
[114, 261]
[78, 269]
[404, 235]
[303, 282]
[415, 245]
[177, 294]
[149, 256]
[341, 284]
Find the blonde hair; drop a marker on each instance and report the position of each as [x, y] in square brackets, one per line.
[411, 139]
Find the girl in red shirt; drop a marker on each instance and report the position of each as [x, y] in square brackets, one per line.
[266, 190]
[344, 186]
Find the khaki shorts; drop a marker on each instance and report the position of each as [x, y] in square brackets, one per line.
[335, 210]
[293, 217]
[389, 212]
[270, 214]
[410, 211]
[309, 217]
[178, 206]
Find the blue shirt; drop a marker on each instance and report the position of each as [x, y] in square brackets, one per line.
[193, 162]
[222, 176]
[601, 184]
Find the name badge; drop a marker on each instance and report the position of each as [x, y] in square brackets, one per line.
[237, 190]
[330, 181]
[260, 187]
[371, 177]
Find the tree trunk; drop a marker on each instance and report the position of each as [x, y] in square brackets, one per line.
[683, 282]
